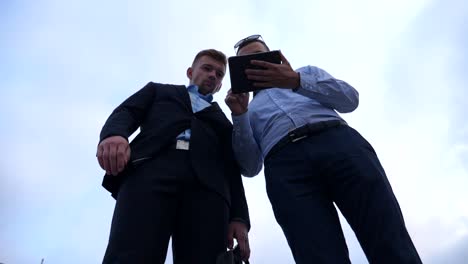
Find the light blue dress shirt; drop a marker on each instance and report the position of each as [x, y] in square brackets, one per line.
[199, 102]
[274, 112]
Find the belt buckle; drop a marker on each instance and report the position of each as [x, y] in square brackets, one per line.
[182, 144]
[293, 139]
[293, 134]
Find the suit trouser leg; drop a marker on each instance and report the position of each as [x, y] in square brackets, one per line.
[144, 213]
[200, 234]
[153, 203]
[362, 192]
[338, 165]
[303, 208]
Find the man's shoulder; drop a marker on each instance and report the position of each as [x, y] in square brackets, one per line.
[164, 88]
[164, 85]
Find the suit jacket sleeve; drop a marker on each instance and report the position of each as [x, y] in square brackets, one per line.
[128, 116]
[239, 210]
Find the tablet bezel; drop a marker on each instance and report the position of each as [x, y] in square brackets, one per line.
[238, 65]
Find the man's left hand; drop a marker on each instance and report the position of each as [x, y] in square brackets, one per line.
[274, 75]
[238, 230]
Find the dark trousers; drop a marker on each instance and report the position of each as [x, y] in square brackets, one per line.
[338, 166]
[162, 198]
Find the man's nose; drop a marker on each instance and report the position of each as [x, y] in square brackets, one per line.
[212, 75]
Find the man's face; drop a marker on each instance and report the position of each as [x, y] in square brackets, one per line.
[254, 47]
[207, 73]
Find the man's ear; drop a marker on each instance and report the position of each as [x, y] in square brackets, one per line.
[189, 73]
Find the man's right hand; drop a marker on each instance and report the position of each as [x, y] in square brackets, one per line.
[238, 103]
[113, 154]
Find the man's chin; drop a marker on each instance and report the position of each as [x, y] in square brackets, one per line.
[205, 90]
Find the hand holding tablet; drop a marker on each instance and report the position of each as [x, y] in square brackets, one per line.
[239, 64]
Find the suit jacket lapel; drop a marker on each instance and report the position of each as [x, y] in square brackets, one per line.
[214, 115]
[214, 107]
[184, 95]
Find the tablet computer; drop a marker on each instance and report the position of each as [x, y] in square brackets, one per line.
[238, 65]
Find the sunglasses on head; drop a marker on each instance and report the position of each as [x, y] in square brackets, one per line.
[247, 40]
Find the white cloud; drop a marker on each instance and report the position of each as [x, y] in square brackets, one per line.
[425, 153]
[69, 64]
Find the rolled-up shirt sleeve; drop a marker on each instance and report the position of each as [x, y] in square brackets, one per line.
[246, 149]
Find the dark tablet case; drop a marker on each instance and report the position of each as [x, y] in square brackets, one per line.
[238, 65]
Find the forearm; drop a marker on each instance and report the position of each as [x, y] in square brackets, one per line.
[239, 210]
[246, 149]
[330, 92]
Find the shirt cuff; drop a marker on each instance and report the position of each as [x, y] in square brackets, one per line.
[299, 85]
[240, 220]
[307, 82]
[241, 123]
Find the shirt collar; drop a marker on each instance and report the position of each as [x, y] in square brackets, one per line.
[194, 89]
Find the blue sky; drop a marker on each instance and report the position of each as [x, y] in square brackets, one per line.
[66, 64]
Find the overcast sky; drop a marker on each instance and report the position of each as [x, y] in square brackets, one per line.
[65, 65]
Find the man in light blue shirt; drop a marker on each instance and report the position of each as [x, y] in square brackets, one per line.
[314, 160]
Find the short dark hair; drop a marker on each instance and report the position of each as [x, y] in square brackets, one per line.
[250, 39]
[212, 53]
[248, 42]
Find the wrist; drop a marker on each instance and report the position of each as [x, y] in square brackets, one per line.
[239, 112]
[297, 82]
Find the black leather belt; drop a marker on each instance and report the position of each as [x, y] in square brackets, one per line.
[303, 132]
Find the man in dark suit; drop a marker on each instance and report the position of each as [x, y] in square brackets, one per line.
[178, 178]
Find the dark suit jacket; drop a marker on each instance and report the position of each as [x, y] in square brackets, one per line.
[162, 112]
